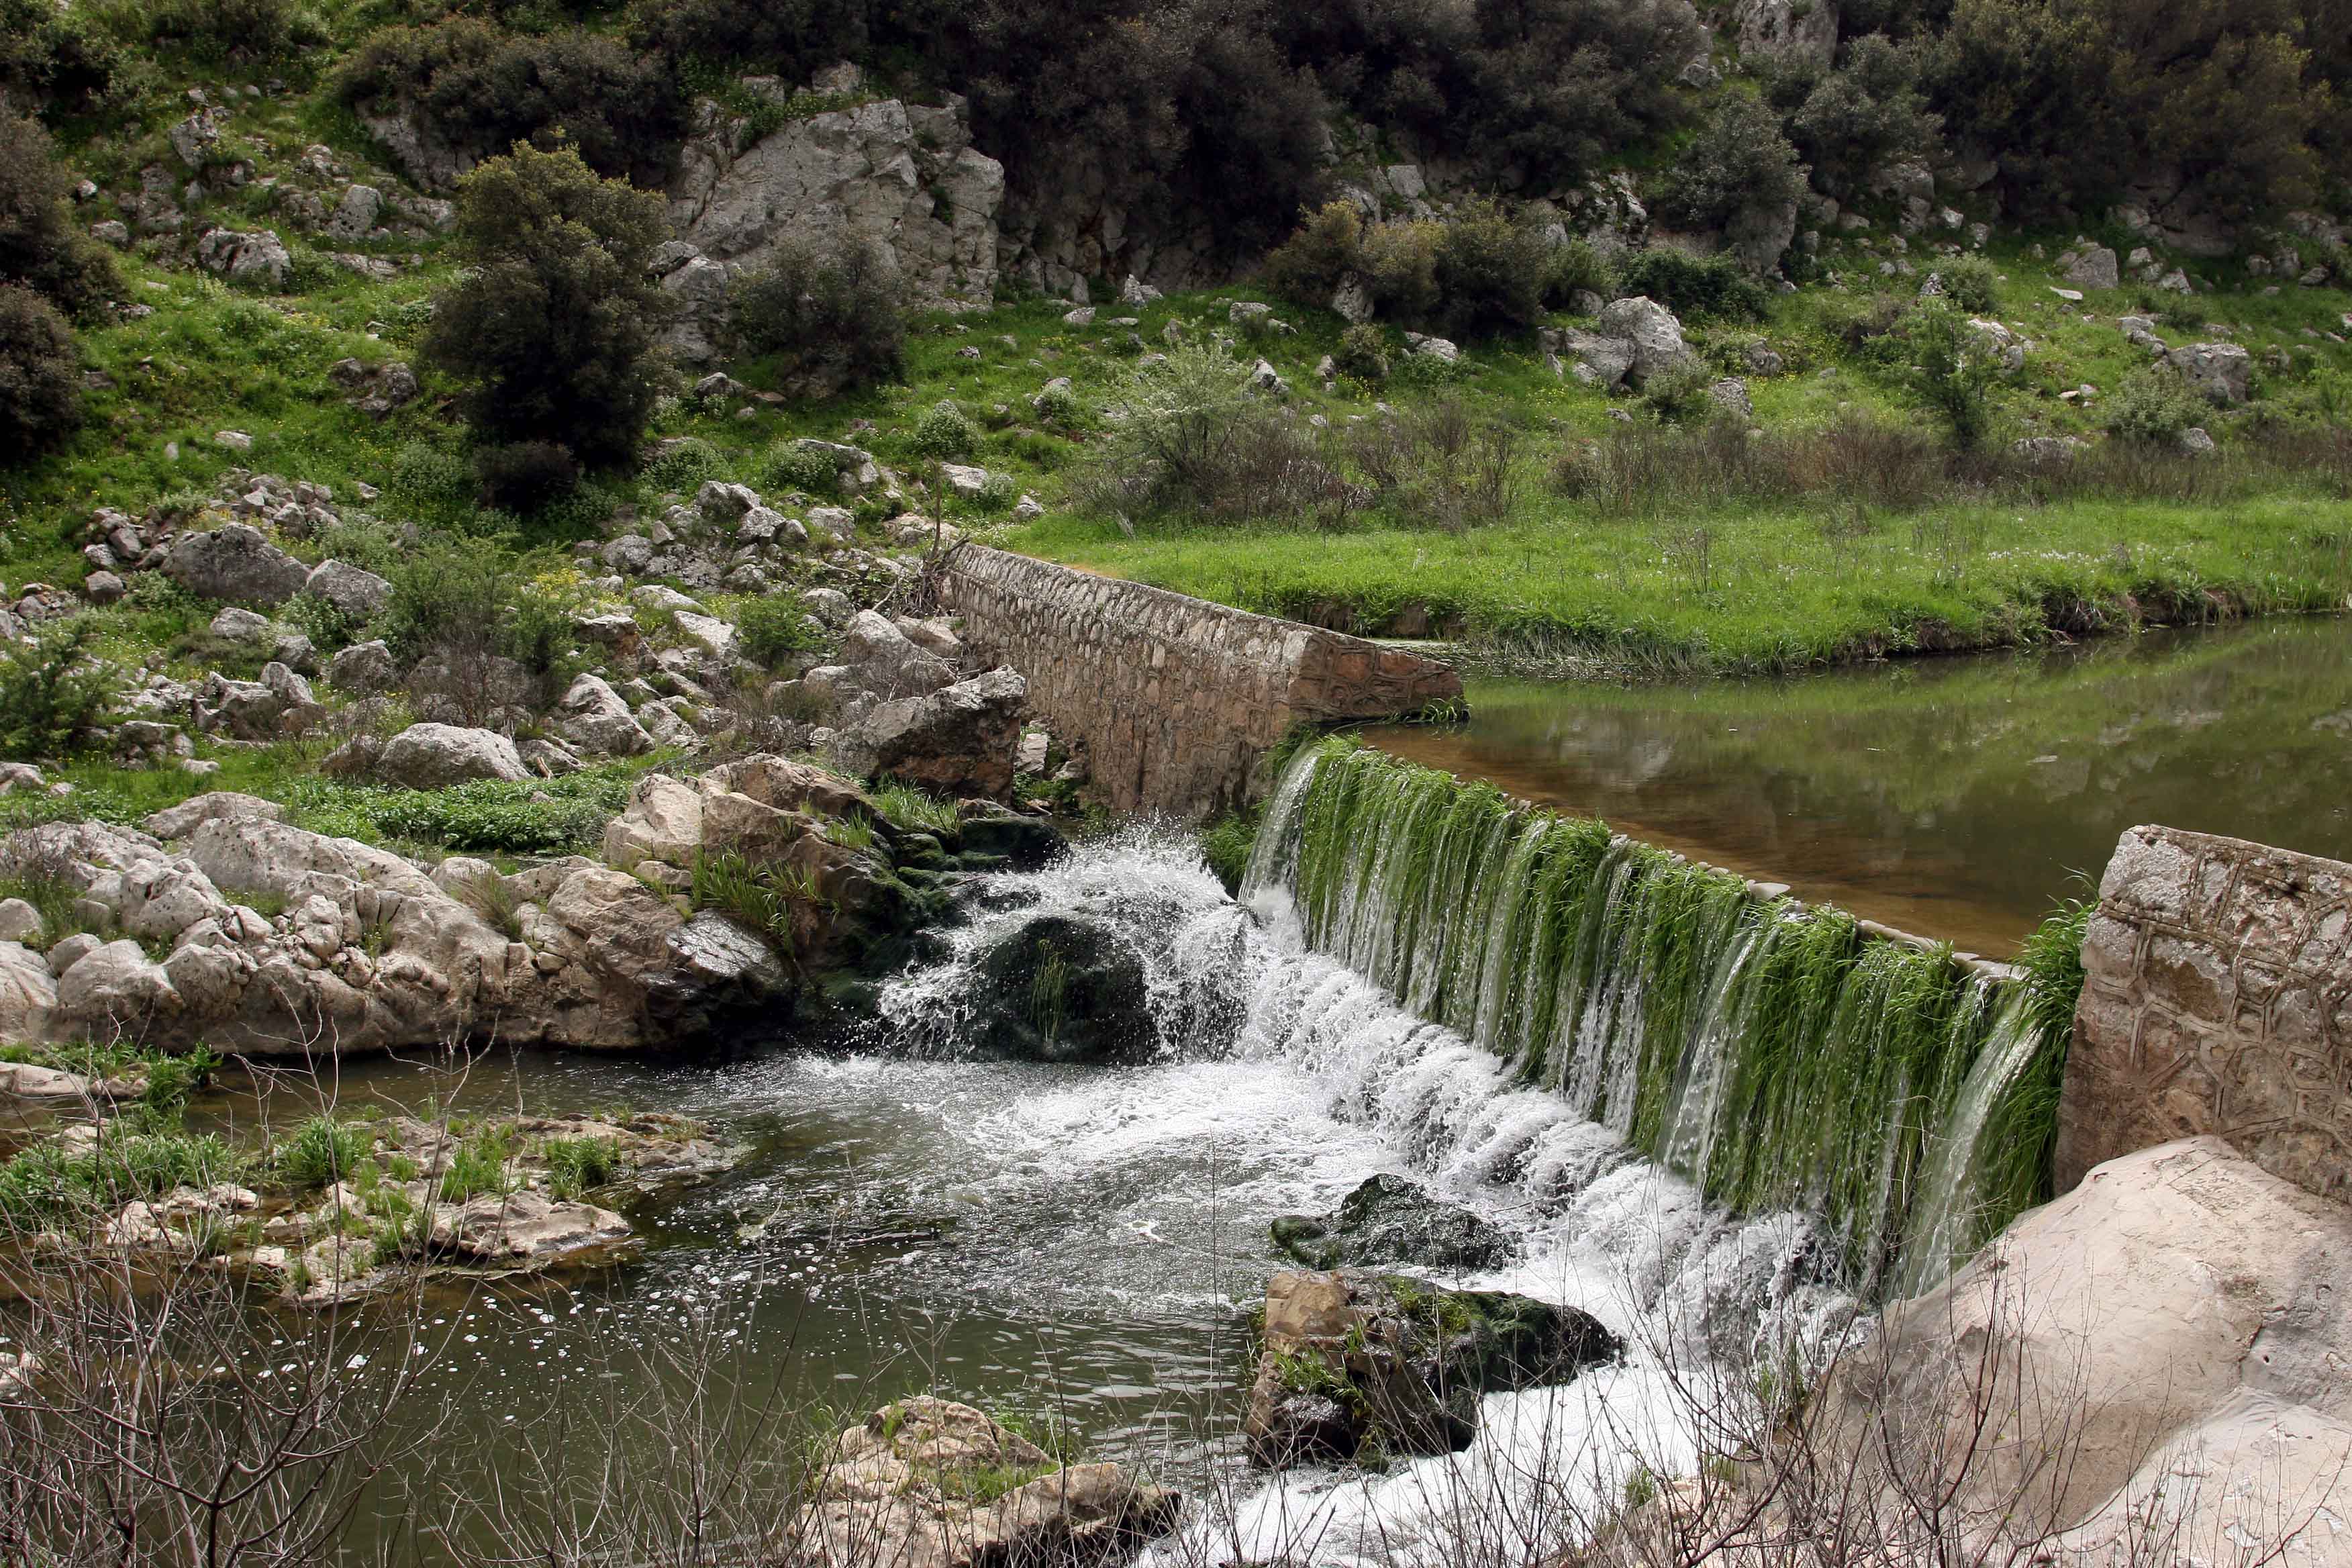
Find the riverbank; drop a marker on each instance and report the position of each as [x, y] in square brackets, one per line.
[1584, 591]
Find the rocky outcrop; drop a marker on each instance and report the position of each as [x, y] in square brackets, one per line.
[1636, 340]
[959, 739]
[236, 562]
[898, 176]
[923, 1484]
[258, 258]
[1351, 1359]
[2165, 1340]
[1789, 31]
[434, 756]
[2221, 373]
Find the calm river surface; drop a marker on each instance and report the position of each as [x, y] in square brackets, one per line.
[1954, 797]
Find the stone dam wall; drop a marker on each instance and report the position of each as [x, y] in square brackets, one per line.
[1175, 698]
[2217, 1000]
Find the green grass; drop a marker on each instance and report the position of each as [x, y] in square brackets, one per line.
[322, 1151]
[576, 1165]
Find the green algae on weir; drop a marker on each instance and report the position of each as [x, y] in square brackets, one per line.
[1776, 1054]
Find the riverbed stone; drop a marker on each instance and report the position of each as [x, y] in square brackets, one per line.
[1389, 1219]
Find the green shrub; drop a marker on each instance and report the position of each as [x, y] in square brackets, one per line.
[551, 325]
[477, 1166]
[526, 476]
[684, 464]
[1226, 845]
[1678, 392]
[793, 467]
[42, 245]
[1057, 405]
[1868, 113]
[1575, 268]
[1953, 370]
[1693, 285]
[510, 816]
[1491, 272]
[323, 1149]
[834, 317]
[45, 1187]
[1737, 166]
[52, 54]
[2153, 407]
[1325, 248]
[1363, 352]
[773, 628]
[330, 626]
[482, 90]
[914, 809]
[40, 375]
[577, 1166]
[54, 691]
[218, 31]
[761, 898]
[1971, 283]
[943, 432]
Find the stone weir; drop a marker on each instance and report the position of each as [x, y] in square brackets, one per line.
[1175, 698]
[2216, 999]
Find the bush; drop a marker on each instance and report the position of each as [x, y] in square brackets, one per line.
[1953, 370]
[527, 476]
[793, 467]
[51, 54]
[481, 90]
[500, 816]
[42, 247]
[40, 375]
[252, 31]
[1363, 352]
[943, 432]
[323, 1149]
[1970, 282]
[1737, 166]
[1575, 268]
[552, 326]
[2153, 407]
[1869, 110]
[774, 627]
[835, 316]
[1693, 285]
[1491, 272]
[684, 464]
[1326, 248]
[792, 38]
[53, 692]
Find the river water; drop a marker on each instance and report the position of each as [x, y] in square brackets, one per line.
[1954, 797]
[1079, 1240]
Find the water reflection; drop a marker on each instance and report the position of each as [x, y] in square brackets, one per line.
[1954, 797]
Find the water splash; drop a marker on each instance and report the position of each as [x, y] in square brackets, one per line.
[1780, 1058]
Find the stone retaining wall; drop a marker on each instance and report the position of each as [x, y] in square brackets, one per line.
[1176, 699]
[2218, 1000]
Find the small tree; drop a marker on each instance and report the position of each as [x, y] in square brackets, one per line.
[40, 248]
[40, 388]
[1953, 370]
[551, 326]
[53, 693]
[834, 315]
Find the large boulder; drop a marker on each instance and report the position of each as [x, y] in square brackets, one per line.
[435, 756]
[1389, 1219]
[594, 717]
[2221, 373]
[175, 822]
[28, 994]
[662, 821]
[115, 986]
[1349, 1360]
[886, 662]
[259, 257]
[2179, 1296]
[355, 591]
[960, 740]
[1064, 988]
[2095, 268]
[1654, 333]
[524, 1227]
[900, 177]
[236, 561]
[927, 1483]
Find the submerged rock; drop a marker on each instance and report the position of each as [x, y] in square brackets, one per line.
[1065, 988]
[1356, 1366]
[1387, 1219]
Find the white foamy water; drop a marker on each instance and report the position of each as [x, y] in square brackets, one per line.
[1283, 1078]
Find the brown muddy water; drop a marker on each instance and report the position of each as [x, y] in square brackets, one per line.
[1953, 797]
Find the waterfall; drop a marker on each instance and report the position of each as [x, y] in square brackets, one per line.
[1778, 1057]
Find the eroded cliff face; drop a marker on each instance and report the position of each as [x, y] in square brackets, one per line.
[901, 176]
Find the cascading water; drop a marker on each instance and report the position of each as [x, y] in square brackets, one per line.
[1778, 1057]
